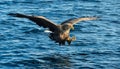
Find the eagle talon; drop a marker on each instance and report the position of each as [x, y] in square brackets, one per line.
[73, 38]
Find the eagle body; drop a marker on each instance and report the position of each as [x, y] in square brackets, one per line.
[60, 36]
[60, 32]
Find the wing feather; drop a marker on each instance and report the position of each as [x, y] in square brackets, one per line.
[76, 20]
[39, 20]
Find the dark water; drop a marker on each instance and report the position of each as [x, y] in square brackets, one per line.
[24, 45]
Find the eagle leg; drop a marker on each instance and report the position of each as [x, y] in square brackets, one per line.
[62, 43]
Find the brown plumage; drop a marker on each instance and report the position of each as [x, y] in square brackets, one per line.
[60, 33]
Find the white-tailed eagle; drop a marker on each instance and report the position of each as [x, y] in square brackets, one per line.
[60, 32]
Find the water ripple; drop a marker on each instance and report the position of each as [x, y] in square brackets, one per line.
[24, 45]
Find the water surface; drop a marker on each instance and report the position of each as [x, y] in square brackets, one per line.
[24, 45]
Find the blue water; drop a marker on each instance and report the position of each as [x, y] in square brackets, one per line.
[24, 45]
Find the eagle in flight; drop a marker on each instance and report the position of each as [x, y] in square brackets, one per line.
[59, 32]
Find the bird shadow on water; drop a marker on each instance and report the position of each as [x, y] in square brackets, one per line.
[51, 61]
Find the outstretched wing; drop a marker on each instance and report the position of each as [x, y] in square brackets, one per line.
[76, 20]
[39, 20]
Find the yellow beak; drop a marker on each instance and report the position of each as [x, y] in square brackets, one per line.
[72, 28]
